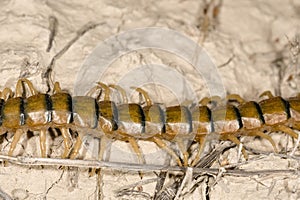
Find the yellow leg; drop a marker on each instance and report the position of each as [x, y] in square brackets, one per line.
[43, 143]
[200, 149]
[33, 91]
[56, 88]
[235, 97]
[77, 147]
[137, 150]
[236, 141]
[6, 94]
[92, 91]
[296, 126]
[19, 87]
[268, 94]
[207, 100]
[106, 89]
[286, 130]
[102, 148]
[265, 136]
[164, 146]
[120, 90]
[145, 94]
[184, 152]
[15, 141]
[67, 141]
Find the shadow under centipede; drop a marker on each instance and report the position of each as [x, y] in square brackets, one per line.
[54, 132]
[29, 134]
[2, 137]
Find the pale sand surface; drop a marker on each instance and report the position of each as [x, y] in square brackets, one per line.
[254, 44]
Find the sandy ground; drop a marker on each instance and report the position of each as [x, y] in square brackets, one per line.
[254, 46]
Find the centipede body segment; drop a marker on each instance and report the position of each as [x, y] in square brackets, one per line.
[29, 110]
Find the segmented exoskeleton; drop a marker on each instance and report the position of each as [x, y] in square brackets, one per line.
[130, 122]
[229, 122]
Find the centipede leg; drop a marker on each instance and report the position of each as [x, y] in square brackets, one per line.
[43, 143]
[268, 94]
[235, 97]
[77, 147]
[145, 94]
[184, 152]
[236, 141]
[164, 146]
[19, 87]
[67, 141]
[207, 100]
[102, 148]
[265, 136]
[6, 94]
[201, 142]
[296, 126]
[121, 91]
[286, 130]
[15, 141]
[137, 150]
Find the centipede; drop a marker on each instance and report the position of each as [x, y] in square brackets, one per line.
[26, 109]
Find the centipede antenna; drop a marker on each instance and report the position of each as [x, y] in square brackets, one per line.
[121, 90]
[145, 94]
[107, 91]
